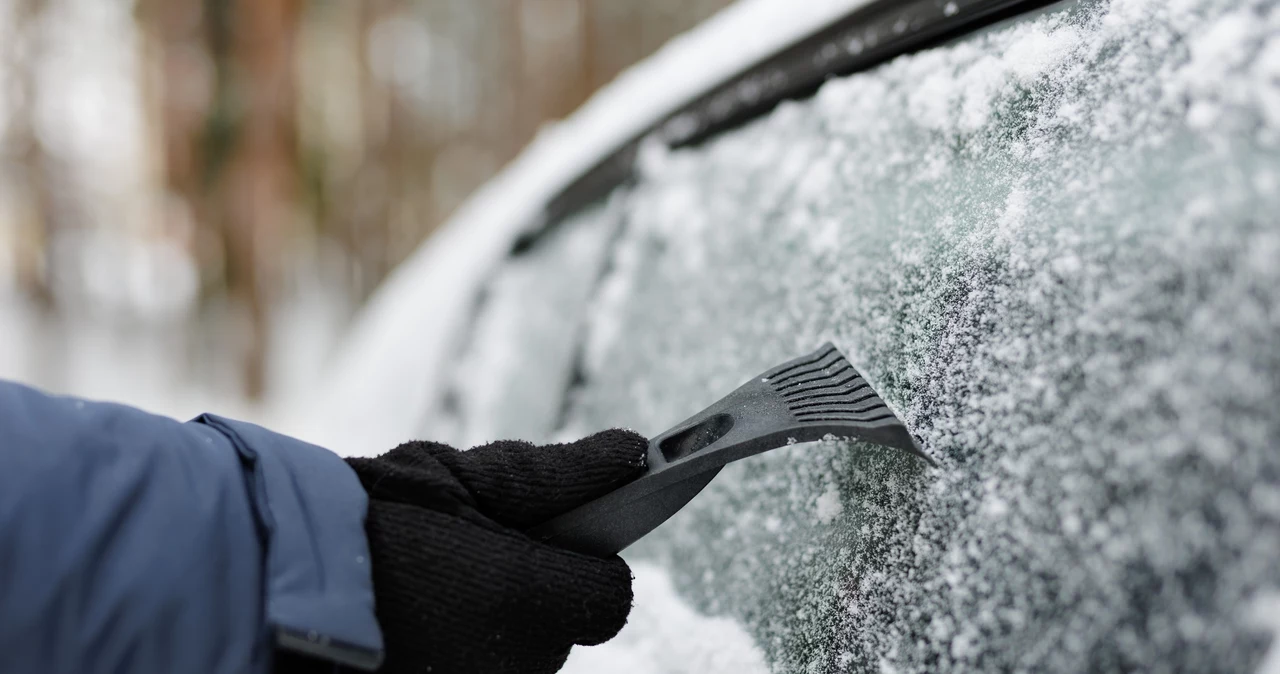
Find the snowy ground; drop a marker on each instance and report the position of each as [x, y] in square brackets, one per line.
[665, 636]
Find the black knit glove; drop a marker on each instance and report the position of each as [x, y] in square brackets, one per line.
[459, 588]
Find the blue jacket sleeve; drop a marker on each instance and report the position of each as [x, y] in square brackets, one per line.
[132, 542]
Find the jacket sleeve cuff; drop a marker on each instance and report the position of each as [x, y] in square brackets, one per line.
[310, 508]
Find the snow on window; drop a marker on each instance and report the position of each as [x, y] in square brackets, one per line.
[510, 379]
[1054, 248]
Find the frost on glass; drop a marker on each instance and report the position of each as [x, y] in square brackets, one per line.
[510, 379]
[1054, 248]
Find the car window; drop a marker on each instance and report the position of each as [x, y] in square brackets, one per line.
[1053, 247]
[510, 379]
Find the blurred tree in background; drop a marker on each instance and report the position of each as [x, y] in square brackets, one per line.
[201, 164]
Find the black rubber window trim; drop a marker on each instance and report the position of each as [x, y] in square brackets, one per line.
[866, 37]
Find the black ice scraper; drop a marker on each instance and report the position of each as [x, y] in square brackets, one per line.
[801, 400]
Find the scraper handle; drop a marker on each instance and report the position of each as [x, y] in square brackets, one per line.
[809, 398]
[614, 521]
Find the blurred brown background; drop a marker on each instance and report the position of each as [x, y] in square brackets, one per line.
[205, 190]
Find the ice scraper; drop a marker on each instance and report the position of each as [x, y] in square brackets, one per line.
[802, 400]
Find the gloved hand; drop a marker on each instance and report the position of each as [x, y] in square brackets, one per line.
[458, 587]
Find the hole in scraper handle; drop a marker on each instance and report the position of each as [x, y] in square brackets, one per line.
[696, 437]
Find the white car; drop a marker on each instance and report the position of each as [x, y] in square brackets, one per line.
[1048, 235]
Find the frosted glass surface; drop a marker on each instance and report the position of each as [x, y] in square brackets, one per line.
[1054, 248]
[511, 375]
